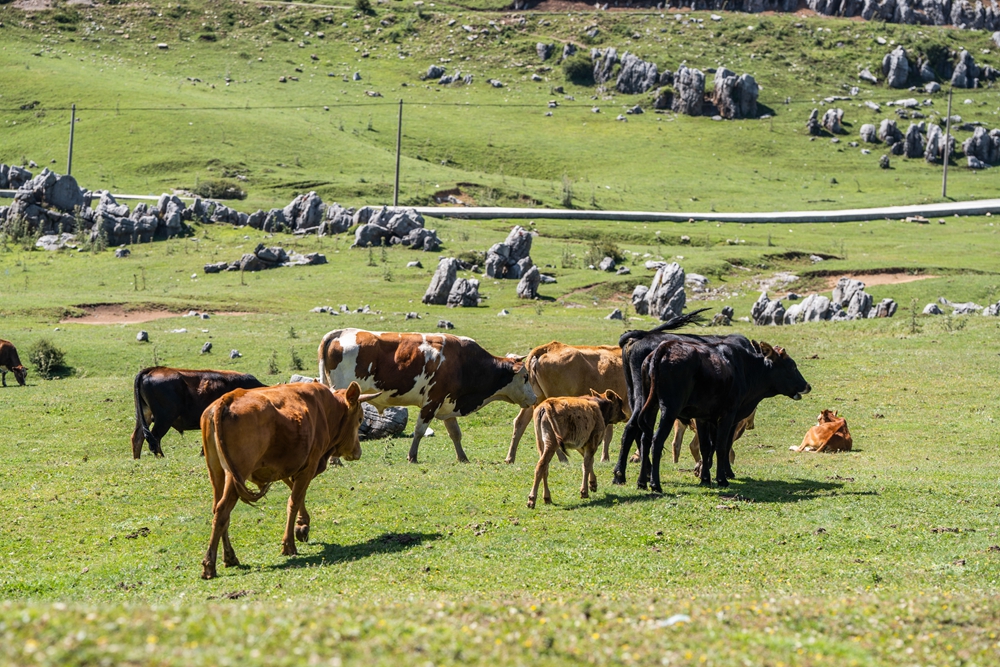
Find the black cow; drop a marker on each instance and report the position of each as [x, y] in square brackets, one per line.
[717, 384]
[176, 397]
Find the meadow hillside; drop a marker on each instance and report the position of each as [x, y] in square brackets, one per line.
[886, 555]
[210, 105]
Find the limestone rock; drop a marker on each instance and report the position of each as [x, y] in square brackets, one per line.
[735, 96]
[896, 68]
[142, 337]
[442, 281]
[767, 312]
[615, 314]
[544, 50]
[884, 308]
[527, 288]
[932, 309]
[636, 75]
[913, 144]
[464, 293]
[868, 133]
[832, 119]
[813, 125]
[389, 423]
[604, 63]
[639, 300]
[888, 132]
[689, 91]
[666, 297]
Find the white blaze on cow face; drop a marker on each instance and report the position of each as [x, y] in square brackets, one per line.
[519, 390]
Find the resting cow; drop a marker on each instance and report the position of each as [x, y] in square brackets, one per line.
[555, 369]
[11, 363]
[282, 433]
[829, 435]
[176, 397]
[717, 385]
[445, 376]
[573, 423]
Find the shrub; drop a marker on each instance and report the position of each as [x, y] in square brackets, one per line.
[364, 6]
[579, 70]
[46, 358]
[219, 189]
[600, 248]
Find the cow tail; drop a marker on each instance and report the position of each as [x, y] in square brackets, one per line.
[324, 372]
[654, 364]
[140, 420]
[542, 414]
[245, 494]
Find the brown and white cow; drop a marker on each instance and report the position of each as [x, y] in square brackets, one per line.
[11, 363]
[556, 369]
[573, 423]
[445, 376]
[829, 435]
[264, 435]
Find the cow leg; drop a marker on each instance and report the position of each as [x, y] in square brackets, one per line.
[424, 418]
[695, 446]
[679, 428]
[706, 452]
[659, 438]
[521, 422]
[542, 475]
[609, 433]
[159, 429]
[629, 434]
[220, 527]
[302, 524]
[3, 377]
[588, 467]
[724, 447]
[296, 505]
[455, 431]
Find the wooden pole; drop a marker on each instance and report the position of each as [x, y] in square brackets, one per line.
[947, 144]
[399, 141]
[72, 126]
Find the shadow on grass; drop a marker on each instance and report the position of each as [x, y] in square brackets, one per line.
[785, 491]
[335, 553]
[612, 499]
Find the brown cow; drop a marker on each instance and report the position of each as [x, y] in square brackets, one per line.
[10, 362]
[829, 435]
[445, 376]
[573, 423]
[556, 369]
[264, 435]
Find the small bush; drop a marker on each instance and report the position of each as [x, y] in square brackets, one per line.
[477, 257]
[601, 248]
[364, 6]
[579, 69]
[46, 358]
[219, 189]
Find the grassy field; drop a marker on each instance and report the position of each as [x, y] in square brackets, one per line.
[211, 105]
[885, 555]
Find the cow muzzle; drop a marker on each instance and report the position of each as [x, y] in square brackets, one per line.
[798, 395]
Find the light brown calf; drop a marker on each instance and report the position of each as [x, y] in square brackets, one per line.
[286, 433]
[829, 435]
[556, 369]
[573, 423]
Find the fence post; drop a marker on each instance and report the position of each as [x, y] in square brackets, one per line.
[72, 126]
[399, 141]
[947, 144]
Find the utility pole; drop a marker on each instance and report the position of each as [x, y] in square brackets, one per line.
[72, 126]
[947, 144]
[399, 141]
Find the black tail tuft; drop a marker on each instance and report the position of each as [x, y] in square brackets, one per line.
[693, 317]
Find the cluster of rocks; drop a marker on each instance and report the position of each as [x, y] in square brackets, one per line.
[831, 122]
[13, 177]
[438, 72]
[47, 203]
[510, 259]
[927, 140]
[385, 226]
[966, 308]
[735, 96]
[982, 149]
[849, 301]
[447, 288]
[267, 258]
[389, 423]
[306, 214]
[665, 297]
[900, 71]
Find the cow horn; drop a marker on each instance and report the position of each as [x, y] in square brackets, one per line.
[364, 398]
[515, 357]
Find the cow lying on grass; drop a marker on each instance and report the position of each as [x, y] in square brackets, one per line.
[555, 369]
[573, 423]
[717, 385]
[11, 363]
[176, 397]
[445, 376]
[282, 433]
[829, 435]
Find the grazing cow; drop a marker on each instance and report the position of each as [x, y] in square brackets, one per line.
[176, 397]
[282, 433]
[717, 385]
[10, 362]
[555, 369]
[829, 435]
[445, 376]
[573, 423]
[680, 427]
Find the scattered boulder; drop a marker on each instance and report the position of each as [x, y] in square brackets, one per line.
[992, 310]
[913, 144]
[724, 317]
[896, 68]
[510, 258]
[391, 227]
[884, 308]
[767, 312]
[433, 72]
[604, 64]
[639, 300]
[13, 177]
[735, 96]
[142, 337]
[868, 133]
[122, 252]
[666, 297]
[888, 133]
[932, 309]
[832, 119]
[636, 75]
[607, 264]
[445, 324]
[389, 423]
[689, 91]
[866, 75]
[814, 308]
[845, 290]
[263, 258]
[983, 145]
[527, 288]
[813, 125]
[615, 314]
[464, 293]
[883, 162]
[234, 354]
[442, 281]
[966, 72]
[960, 308]
[935, 149]
[206, 348]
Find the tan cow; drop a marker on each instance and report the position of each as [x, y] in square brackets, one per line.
[573, 423]
[829, 435]
[681, 427]
[286, 433]
[556, 369]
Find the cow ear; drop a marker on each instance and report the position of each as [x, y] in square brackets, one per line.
[352, 393]
[766, 350]
[755, 345]
[780, 351]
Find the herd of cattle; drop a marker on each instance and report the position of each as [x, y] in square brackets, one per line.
[575, 394]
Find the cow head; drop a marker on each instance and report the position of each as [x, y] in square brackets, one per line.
[349, 445]
[518, 390]
[20, 372]
[827, 416]
[783, 373]
[613, 410]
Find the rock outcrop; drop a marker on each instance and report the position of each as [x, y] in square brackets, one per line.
[447, 288]
[527, 288]
[735, 96]
[896, 68]
[385, 226]
[636, 75]
[263, 258]
[389, 423]
[665, 297]
[689, 91]
[983, 145]
[511, 258]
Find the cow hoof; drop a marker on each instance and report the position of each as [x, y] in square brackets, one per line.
[655, 488]
[593, 486]
[302, 533]
[289, 550]
[730, 475]
[722, 482]
[619, 480]
[705, 482]
[508, 460]
[208, 571]
[464, 459]
[641, 486]
[531, 504]
[411, 460]
[548, 501]
[584, 494]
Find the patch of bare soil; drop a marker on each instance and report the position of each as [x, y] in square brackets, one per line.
[114, 313]
[42, 5]
[870, 279]
[455, 197]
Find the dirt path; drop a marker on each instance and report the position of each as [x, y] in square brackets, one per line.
[879, 278]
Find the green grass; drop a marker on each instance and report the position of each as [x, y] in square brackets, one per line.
[281, 139]
[805, 560]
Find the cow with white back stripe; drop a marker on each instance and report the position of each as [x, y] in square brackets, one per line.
[445, 376]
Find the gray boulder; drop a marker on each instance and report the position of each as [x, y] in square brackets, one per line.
[767, 312]
[814, 308]
[305, 212]
[913, 143]
[389, 423]
[888, 133]
[966, 72]
[511, 258]
[369, 235]
[568, 50]
[689, 91]
[813, 125]
[844, 291]
[434, 72]
[464, 293]
[636, 75]
[868, 133]
[615, 314]
[64, 195]
[992, 310]
[604, 64]
[142, 337]
[896, 68]
[983, 145]
[606, 264]
[666, 297]
[544, 50]
[337, 220]
[527, 288]
[441, 282]
[932, 309]
[735, 96]
[206, 348]
[832, 119]
[884, 308]
[860, 305]
[639, 300]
